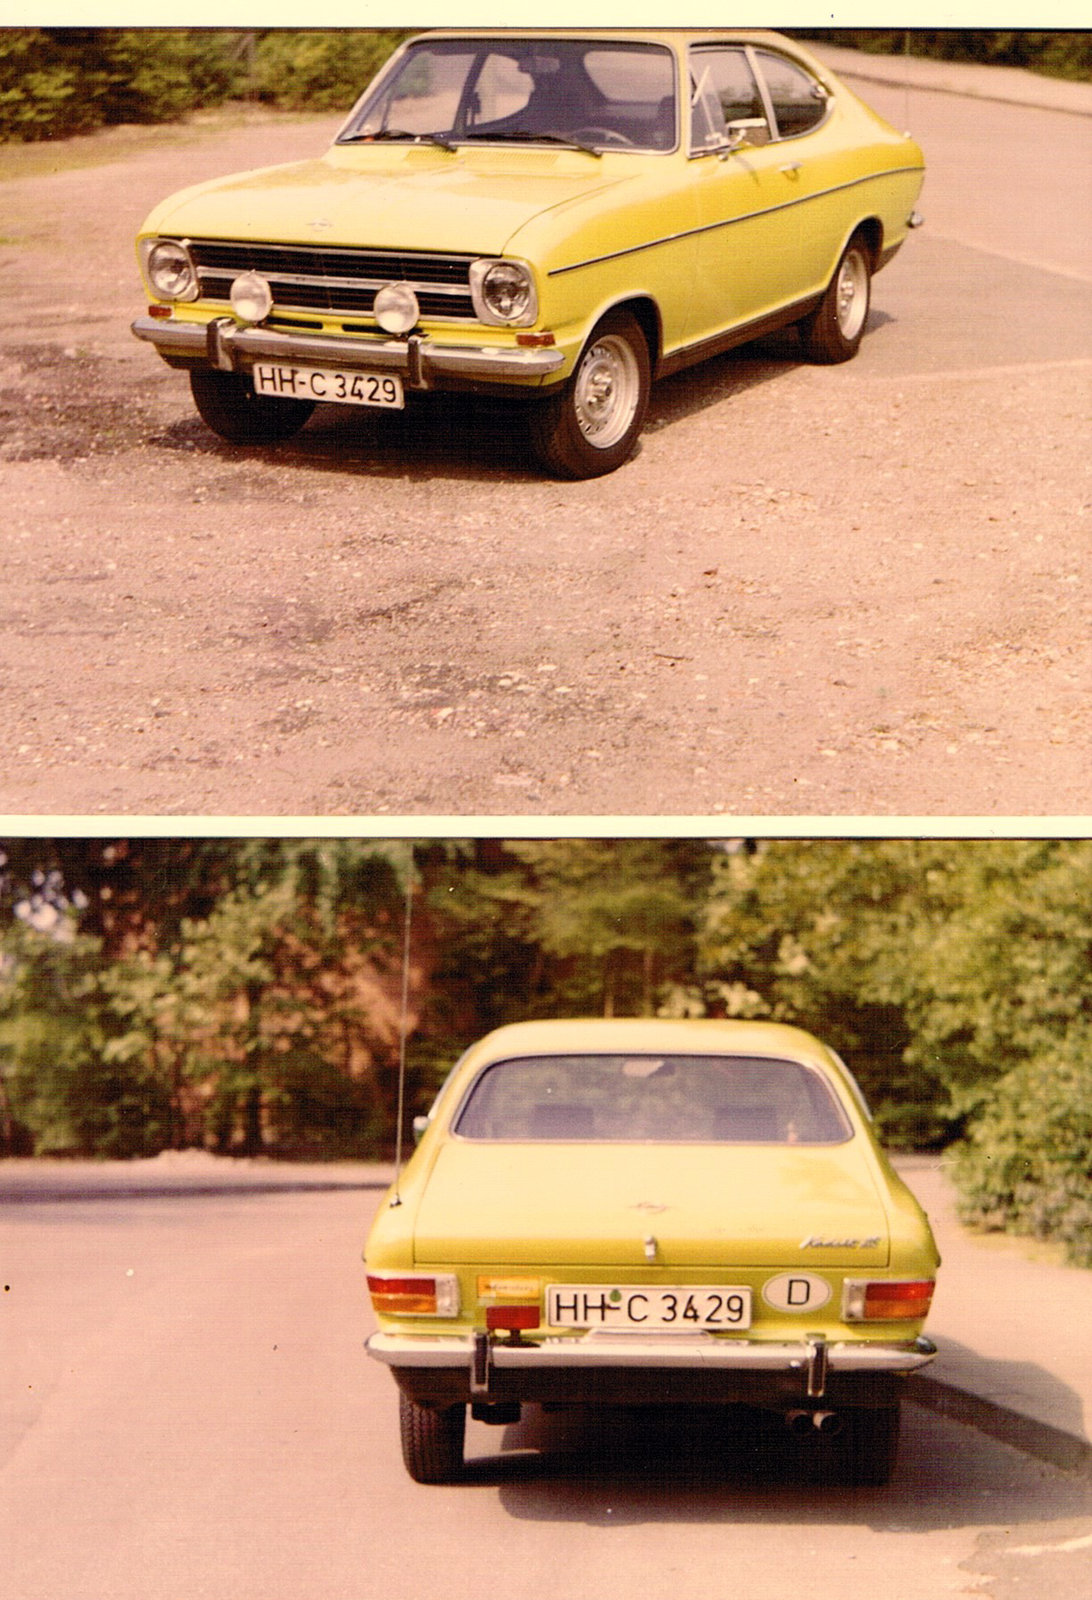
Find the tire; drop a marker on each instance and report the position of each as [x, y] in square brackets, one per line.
[834, 330]
[870, 1444]
[591, 425]
[432, 1441]
[227, 403]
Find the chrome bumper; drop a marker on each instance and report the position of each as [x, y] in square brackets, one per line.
[224, 344]
[812, 1358]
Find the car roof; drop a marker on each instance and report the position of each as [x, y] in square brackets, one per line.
[602, 1035]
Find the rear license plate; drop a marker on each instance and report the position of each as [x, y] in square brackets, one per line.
[617, 1306]
[329, 383]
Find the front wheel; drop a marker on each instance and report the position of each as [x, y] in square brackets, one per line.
[590, 426]
[229, 405]
[834, 330]
[432, 1441]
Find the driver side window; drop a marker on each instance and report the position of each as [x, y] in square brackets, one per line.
[722, 91]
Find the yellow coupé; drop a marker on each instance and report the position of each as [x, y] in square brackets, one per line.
[651, 1212]
[552, 215]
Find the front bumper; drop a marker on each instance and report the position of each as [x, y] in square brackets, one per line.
[602, 1364]
[421, 361]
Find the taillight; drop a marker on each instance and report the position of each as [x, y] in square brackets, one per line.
[415, 1295]
[886, 1299]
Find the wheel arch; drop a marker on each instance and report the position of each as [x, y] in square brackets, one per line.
[871, 232]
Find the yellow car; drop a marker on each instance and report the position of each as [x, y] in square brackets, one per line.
[556, 216]
[651, 1212]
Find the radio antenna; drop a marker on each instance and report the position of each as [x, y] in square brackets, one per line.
[403, 1028]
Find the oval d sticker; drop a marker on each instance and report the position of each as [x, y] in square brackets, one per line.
[796, 1291]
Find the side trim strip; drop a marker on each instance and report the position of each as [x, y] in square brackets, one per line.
[730, 222]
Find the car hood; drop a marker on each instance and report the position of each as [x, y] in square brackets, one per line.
[388, 198]
[595, 1205]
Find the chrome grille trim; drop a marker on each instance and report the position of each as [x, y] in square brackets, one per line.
[335, 279]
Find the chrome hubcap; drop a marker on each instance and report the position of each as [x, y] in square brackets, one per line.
[606, 392]
[851, 294]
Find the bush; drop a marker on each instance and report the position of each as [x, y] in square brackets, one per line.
[1026, 1165]
[318, 71]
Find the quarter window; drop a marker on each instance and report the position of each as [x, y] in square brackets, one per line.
[799, 103]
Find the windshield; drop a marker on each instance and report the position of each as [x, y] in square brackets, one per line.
[597, 94]
[662, 1099]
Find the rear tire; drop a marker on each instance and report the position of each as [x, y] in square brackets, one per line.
[871, 1444]
[227, 402]
[834, 330]
[589, 427]
[432, 1441]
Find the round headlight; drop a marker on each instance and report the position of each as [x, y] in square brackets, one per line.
[396, 309]
[504, 292]
[251, 297]
[170, 270]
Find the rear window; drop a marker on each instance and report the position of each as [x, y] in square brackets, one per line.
[659, 1099]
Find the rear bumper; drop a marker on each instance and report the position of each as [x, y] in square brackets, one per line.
[442, 1369]
[421, 361]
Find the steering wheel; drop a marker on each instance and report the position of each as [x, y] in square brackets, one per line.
[596, 135]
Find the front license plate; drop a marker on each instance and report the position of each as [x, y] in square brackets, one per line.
[616, 1306]
[329, 383]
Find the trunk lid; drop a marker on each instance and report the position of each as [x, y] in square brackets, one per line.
[706, 1206]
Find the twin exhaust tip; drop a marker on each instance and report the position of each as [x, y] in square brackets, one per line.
[827, 1423]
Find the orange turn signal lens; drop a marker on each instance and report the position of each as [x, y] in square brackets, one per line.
[887, 1299]
[416, 1295]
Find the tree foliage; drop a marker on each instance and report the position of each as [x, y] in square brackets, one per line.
[246, 995]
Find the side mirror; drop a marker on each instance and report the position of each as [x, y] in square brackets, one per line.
[420, 1127]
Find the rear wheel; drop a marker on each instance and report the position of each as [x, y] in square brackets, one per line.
[432, 1441]
[590, 426]
[834, 330]
[871, 1443]
[228, 403]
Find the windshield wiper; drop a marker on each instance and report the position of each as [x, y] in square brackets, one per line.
[525, 136]
[397, 135]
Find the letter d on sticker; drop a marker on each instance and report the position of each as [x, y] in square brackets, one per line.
[796, 1291]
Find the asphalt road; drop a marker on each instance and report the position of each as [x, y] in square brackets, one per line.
[187, 1413]
[852, 591]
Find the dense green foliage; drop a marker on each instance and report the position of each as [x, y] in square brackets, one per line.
[246, 995]
[56, 82]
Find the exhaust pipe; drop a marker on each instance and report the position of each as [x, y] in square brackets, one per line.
[802, 1423]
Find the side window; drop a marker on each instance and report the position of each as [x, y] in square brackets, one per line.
[723, 90]
[798, 101]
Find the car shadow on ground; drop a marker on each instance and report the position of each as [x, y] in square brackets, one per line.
[467, 436]
[613, 1466]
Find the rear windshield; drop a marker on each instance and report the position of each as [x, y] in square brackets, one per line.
[654, 1098]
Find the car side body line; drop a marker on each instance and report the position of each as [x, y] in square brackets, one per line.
[727, 222]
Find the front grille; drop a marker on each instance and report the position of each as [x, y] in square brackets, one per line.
[335, 280]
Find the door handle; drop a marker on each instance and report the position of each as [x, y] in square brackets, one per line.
[790, 169]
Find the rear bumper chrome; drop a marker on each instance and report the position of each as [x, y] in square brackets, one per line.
[640, 1350]
[222, 343]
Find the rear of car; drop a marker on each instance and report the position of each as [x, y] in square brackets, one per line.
[651, 1212]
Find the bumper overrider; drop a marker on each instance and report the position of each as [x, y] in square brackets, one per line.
[421, 361]
[441, 1368]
